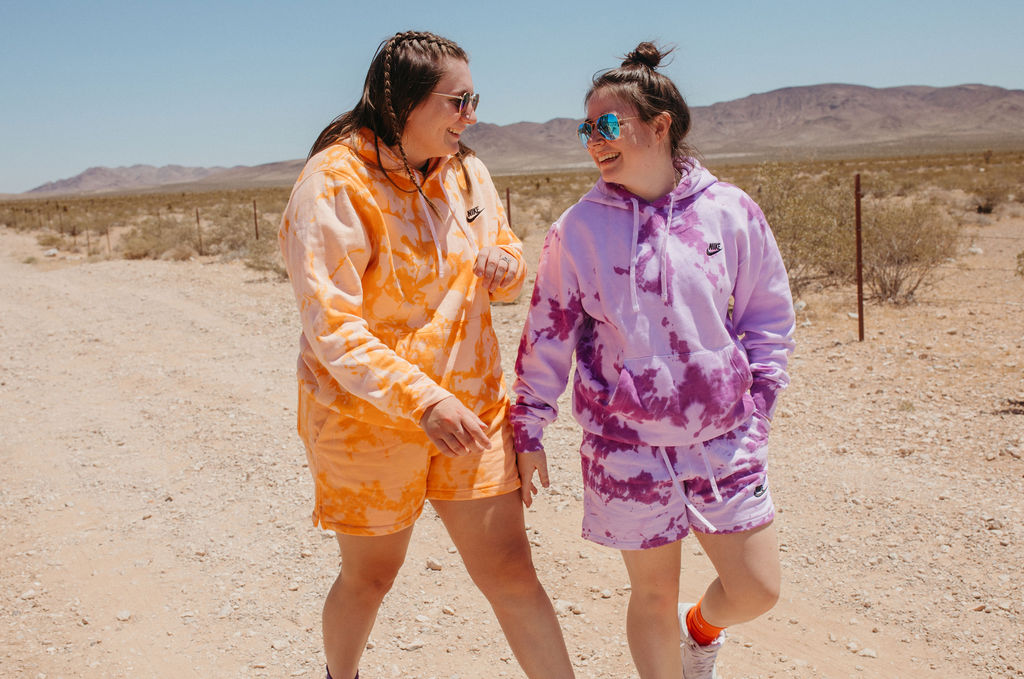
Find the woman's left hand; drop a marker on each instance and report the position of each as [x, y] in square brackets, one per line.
[495, 267]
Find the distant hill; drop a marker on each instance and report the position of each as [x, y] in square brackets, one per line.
[833, 120]
[97, 179]
[850, 120]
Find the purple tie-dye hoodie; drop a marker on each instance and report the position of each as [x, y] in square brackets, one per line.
[641, 292]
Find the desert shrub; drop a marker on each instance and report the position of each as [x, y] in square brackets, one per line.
[988, 193]
[49, 239]
[163, 226]
[810, 218]
[157, 239]
[539, 199]
[179, 253]
[904, 242]
[1020, 263]
[265, 255]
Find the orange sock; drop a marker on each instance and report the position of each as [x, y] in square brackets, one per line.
[700, 629]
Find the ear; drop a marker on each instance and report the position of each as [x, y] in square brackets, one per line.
[662, 124]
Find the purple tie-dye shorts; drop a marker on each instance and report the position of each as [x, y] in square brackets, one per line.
[634, 495]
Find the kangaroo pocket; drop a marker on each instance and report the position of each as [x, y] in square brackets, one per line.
[688, 397]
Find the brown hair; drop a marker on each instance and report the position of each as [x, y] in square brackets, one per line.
[638, 81]
[405, 69]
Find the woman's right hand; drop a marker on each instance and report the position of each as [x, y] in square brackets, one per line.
[454, 428]
[528, 463]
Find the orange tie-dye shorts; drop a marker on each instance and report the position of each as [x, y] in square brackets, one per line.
[373, 480]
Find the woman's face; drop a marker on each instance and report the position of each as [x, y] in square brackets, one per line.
[639, 157]
[435, 125]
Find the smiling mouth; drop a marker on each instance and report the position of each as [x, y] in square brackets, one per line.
[606, 157]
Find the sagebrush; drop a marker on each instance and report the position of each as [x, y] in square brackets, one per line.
[913, 210]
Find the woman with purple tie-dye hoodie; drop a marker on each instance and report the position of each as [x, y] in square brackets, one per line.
[669, 288]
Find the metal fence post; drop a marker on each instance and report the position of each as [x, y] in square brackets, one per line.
[199, 233]
[860, 261]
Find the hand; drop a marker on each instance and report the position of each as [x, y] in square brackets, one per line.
[495, 267]
[527, 463]
[454, 428]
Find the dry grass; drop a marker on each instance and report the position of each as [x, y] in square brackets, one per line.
[810, 205]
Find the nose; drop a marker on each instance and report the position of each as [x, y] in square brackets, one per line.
[469, 113]
[592, 141]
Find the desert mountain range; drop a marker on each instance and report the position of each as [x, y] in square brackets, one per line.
[832, 120]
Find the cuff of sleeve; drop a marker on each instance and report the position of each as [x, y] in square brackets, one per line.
[433, 396]
[524, 441]
[765, 395]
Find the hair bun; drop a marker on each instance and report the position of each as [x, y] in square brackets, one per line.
[646, 54]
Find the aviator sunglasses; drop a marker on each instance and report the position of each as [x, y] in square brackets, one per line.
[465, 100]
[607, 125]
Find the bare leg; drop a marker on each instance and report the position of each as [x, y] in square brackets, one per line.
[652, 625]
[368, 569]
[749, 575]
[491, 537]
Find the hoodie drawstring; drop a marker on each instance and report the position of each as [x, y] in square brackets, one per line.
[682, 492]
[662, 255]
[632, 255]
[664, 251]
[433, 229]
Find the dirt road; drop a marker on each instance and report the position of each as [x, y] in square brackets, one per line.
[155, 501]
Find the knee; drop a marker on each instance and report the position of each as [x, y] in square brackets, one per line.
[758, 596]
[653, 596]
[508, 573]
[767, 597]
[368, 583]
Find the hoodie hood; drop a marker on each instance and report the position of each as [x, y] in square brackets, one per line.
[694, 180]
[366, 144]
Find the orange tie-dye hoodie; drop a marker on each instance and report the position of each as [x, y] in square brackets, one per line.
[393, 317]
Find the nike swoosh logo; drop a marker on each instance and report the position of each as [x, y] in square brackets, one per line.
[473, 213]
[714, 249]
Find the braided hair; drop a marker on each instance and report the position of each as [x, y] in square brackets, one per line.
[405, 69]
[637, 80]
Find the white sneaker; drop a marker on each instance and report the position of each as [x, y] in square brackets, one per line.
[698, 661]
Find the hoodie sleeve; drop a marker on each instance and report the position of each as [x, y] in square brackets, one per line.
[763, 315]
[326, 247]
[552, 330]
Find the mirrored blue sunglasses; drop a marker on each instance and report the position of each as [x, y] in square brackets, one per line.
[607, 125]
[465, 100]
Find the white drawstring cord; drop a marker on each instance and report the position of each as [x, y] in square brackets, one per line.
[632, 255]
[433, 230]
[682, 492]
[711, 475]
[664, 251]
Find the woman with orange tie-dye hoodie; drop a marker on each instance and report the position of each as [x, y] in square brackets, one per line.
[396, 243]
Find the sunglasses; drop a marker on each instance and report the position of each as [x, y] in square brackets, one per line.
[465, 100]
[607, 125]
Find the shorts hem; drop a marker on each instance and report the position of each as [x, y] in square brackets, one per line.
[473, 493]
[366, 531]
[619, 544]
[752, 524]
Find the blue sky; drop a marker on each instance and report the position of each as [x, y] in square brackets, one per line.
[112, 83]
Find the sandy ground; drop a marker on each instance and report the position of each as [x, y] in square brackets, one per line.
[155, 501]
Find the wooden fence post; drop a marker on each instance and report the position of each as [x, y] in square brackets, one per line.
[199, 233]
[860, 260]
